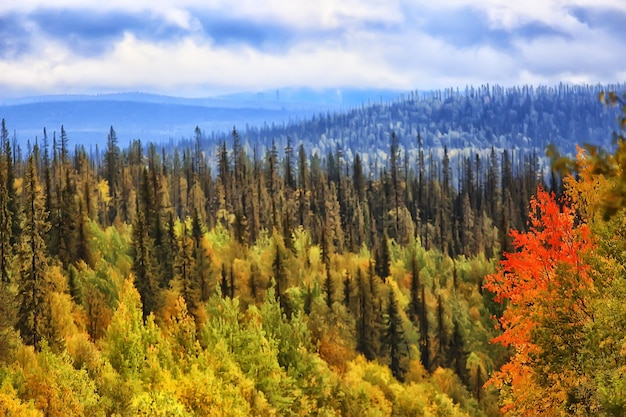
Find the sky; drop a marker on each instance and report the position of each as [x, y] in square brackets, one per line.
[200, 48]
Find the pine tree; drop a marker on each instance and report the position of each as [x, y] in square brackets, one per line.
[144, 267]
[383, 258]
[12, 199]
[34, 287]
[394, 155]
[442, 334]
[424, 336]
[68, 218]
[169, 252]
[394, 336]
[280, 273]
[329, 289]
[456, 350]
[83, 250]
[225, 290]
[365, 331]
[112, 172]
[6, 222]
[414, 303]
[185, 269]
[347, 291]
[202, 262]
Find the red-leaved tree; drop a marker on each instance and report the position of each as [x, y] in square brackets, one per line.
[542, 283]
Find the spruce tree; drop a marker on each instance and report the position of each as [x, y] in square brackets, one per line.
[365, 318]
[34, 286]
[442, 333]
[394, 335]
[424, 328]
[184, 267]
[144, 267]
[12, 199]
[112, 173]
[67, 221]
[6, 222]
[414, 303]
[383, 258]
[347, 291]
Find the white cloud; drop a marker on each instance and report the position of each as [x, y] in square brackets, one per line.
[193, 67]
[371, 43]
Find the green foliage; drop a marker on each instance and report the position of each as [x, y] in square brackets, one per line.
[124, 340]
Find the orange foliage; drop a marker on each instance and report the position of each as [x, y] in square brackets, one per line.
[542, 275]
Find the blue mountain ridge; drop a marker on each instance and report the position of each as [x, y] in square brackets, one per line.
[160, 118]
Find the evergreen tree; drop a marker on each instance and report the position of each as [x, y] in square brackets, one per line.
[329, 289]
[424, 336]
[144, 267]
[394, 336]
[112, 172]
[12, 200]
[365, 332]
[456, 350]
[383, 258]
[347, 291]
[83, 249]
[224, 282]
[68, 219]
[169, 252]
[394, 155]
[415, 304]
[185, 269]
[202, 262]
[34, 286]
[442, 333]
[6, 222]
[280, 274]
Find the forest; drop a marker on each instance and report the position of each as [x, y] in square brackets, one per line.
[479, 118]
[158, 282]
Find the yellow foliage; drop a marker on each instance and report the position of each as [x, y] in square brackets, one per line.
[19, 185]
[415, 372]
[474, 313]
[103, 191]
[61, 306]
[84, 354]
[589, 190]
[206, 395]
[12, 405]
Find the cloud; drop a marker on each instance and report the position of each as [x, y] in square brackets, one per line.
[203, 47]
[13, 38]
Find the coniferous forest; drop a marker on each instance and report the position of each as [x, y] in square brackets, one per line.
[160, 282]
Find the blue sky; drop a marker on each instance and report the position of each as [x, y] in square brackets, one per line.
[198, 48]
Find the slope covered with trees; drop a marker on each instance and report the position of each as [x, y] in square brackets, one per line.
[146, 282]
[474, 118]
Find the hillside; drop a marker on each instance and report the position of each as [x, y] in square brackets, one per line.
[324, 121]
[508, 118]
[142, 282]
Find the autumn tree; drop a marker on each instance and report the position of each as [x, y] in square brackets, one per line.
[542, 284]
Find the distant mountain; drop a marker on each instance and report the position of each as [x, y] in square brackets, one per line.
[158, 118]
